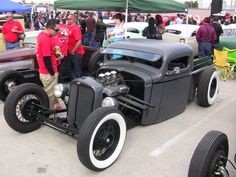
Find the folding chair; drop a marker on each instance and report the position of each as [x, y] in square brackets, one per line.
[231, 58]
[221, 64]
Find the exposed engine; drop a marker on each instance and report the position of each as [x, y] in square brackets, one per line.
[113, 83]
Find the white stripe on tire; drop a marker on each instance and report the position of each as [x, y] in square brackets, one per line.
[105, 163]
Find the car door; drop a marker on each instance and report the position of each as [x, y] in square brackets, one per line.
[176, 86]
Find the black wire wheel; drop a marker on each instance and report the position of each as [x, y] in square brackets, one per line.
[209, 158]
[9, 80]
[208, 87]
[101, 138]
[21, 110]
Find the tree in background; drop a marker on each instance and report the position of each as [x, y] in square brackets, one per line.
[191, 4]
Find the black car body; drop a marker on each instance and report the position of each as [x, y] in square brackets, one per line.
[146, 81]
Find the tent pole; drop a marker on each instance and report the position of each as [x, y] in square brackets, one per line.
[126, 16]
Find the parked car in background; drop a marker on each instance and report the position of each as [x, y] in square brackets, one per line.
[228, 39]
[16, 67]
[187, 34]
[182, 33]
[30, 38]
[134, 29]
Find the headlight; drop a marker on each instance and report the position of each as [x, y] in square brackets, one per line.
[109, 101]
[58, 90]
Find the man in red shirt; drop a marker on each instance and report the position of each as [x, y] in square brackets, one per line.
[47, 60]
[62, 39]
[75, 47]
[205, 36]
[11, 31]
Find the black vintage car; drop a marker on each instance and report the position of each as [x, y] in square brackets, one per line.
[141, 81]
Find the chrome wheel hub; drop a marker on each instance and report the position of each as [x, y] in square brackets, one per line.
[10, 85]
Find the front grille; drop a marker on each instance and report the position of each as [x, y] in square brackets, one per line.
[85, 96]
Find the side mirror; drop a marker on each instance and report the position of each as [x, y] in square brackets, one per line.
[176, 70]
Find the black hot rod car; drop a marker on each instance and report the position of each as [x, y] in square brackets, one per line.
[146, 81]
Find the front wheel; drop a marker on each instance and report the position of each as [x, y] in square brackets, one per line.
[209, 156]
[101, 138]
[208, 87]
[21, 110]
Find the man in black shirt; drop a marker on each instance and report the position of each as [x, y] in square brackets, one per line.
[219, 31]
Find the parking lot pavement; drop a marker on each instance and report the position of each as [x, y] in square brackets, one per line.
[160, 150]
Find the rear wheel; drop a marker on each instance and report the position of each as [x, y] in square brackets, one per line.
[8, 82]
[207, 157]
[208, 87]
[20, 111]
[101, 138]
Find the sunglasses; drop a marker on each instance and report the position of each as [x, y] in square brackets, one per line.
[55, 29]
[69, 19]
[8, 16]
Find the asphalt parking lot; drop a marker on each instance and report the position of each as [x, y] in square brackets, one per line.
[160, 150]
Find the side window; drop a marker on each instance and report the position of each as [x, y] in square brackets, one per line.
[179, 63]
[133, 30]
[172, 31]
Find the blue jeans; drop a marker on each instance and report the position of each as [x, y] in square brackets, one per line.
[15, 45]
[85, 39]
[204, 49]
[90, 36]
[75, 66]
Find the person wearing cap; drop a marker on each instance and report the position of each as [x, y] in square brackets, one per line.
[47, 60]
[205, 37]
[12, 30]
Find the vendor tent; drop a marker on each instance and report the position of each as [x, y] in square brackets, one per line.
[8, 6]
[155, 6]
